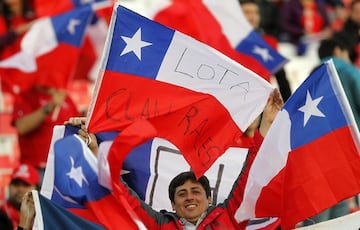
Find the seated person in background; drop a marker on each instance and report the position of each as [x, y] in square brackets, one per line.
[302, 19]
[16, 17]
[35, 113]
[24, 179]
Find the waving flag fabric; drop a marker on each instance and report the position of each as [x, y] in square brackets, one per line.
[46, 8]
[50, 215]
[242, 36]
[230, 30]
[49, 50]
[95, 36]
[75, 185]
[147, 171]
[309, 159]
[193, 18]
[193, 96]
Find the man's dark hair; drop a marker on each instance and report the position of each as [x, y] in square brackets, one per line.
[327, 47]
[181, 178]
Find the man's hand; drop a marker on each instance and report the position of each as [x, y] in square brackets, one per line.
[273, 106]
[89, 138]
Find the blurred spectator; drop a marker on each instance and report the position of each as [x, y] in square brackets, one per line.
[24, 179]
[350, 31]
[270, 13]
[337, 13]
[251, 11]
[304, 20]
[35, 113]
[15, 19]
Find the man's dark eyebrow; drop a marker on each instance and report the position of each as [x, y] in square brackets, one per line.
[192, 188]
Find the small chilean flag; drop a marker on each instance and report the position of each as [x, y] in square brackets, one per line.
[242, 35]
[49, 51]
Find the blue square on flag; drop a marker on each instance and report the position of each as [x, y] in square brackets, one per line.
[134, 48]
[70, 27]
[316, 107]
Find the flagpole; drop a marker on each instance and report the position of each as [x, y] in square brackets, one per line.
[2, 103]
[337, 86]
[101, 5]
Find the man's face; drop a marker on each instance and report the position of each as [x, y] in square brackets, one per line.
[251, 13]
[190, 201]
[17, 190]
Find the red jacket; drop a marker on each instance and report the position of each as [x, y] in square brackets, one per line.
[219, 217]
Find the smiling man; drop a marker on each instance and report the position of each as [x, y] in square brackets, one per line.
[190, 198]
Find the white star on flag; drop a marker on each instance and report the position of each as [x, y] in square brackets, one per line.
[72, 24]
[76, 174]
[263, 53]
[134, 44]
[310, 108]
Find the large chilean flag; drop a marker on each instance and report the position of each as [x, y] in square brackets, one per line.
[192, 95]
[309, 159]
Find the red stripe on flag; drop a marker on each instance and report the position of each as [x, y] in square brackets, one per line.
[56, 68]
[197, 123]
[85, 213]
[49, 8]
[107, 210]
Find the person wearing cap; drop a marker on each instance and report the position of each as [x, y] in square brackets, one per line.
[24, 179]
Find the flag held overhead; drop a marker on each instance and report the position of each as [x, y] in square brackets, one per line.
[309, 159]
[194, 96]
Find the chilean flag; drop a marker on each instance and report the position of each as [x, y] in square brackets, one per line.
[189, 93]
[71, 181]
[309, 159]
[95, 37]
[49, 50]
[242, 35]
